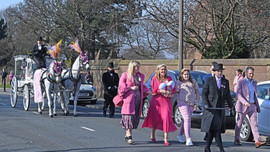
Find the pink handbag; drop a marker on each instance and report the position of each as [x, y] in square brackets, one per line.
[118, 101]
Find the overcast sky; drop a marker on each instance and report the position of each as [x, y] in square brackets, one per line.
[6, 3]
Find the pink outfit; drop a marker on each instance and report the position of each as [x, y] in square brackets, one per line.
[251, 111]
[128, 95]
[235, 81]
[188, 95]
[10, 76]
[160, 111]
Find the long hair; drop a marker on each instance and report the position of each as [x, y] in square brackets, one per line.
[132, 64]
[157, 71]
[182, 73]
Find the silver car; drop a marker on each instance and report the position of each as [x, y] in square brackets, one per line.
[263, 91]
[87, 93]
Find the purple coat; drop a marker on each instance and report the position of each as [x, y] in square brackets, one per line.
[128, 95]
[243, 95]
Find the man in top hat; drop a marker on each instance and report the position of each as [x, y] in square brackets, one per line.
[216, 91]
[39, 53]
[247, 104]
[110, 81]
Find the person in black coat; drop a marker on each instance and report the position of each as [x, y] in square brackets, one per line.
[4, 75]
[39, 52]
[215, 92]
[110, 81]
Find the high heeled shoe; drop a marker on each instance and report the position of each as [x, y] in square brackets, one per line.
[153, 139]
[129, 140]
[166, 143]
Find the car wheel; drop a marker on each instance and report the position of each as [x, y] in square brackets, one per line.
[245, 132]
[177, 116]
[145, 108]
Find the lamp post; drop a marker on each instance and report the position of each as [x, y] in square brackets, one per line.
[180, 36]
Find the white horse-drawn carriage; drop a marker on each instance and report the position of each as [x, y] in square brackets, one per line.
[24, 81]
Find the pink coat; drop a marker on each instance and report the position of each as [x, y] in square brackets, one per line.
[243, 95]
[128, 95]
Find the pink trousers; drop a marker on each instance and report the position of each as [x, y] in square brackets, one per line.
[252, 114]
[186, 112]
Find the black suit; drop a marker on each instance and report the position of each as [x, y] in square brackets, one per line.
[213, 121]
[39, 56]
[110, 81]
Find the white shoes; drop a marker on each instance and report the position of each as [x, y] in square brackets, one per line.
[180, 138]
[189, 142]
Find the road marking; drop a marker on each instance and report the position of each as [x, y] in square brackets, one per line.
[87, 128]
[3, 104]
[35, 112]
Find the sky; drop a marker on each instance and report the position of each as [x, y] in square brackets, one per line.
[6, 3]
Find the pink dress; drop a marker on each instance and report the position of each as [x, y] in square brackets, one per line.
[160, 111]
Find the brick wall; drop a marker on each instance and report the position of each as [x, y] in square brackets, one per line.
[262, 68]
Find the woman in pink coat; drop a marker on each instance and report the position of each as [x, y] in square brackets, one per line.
[132, 90]
[159, 115]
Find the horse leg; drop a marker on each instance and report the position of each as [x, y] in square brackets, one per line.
[39, 109]
[54, 103]
[48, 93]
[75, 100]
[65, 101]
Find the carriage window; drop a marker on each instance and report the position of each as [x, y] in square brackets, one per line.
[263, 91]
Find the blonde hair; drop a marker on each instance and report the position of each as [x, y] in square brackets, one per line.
[132, 64]
[182, 72]
[157, 71]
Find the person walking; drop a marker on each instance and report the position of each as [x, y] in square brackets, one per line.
[215, 91]
[110, 81]
[159, 115]
[247, 104]
[39, 52]
[4, 75]
[132, 90]
[238, 76]
[188, 97]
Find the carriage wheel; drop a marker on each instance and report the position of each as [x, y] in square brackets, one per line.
[26, 97]
[13, 92]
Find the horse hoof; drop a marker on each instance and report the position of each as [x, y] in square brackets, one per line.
[55, 114]
[51, 116]
[75, 115]
[40, 112]
[66, 113]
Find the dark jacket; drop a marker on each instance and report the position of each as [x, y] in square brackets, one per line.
[39, 56]
[4, 75]
[110, 84]
[212, 97]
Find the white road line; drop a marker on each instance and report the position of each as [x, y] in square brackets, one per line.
[87, 128]
[3, 104]
[35, 112]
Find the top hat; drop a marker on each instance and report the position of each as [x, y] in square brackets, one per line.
[218, 67]
[110, 65]
[39, 38]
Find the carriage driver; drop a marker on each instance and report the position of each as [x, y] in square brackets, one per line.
[39, 53]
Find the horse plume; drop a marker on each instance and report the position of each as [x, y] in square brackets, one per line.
[55, 50]
[75, 46]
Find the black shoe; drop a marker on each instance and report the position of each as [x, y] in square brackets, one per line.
[111, 116]
[207, 149]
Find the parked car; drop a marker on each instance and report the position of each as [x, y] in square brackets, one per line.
[263, 92]
[87, 93]
[177, 117]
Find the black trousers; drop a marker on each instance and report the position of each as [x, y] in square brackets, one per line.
[4, 84]
[217, 135]
[109, 103]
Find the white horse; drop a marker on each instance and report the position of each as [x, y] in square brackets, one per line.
[51, 78]
[72, 82]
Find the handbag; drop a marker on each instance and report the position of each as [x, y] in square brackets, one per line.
[118, 101]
